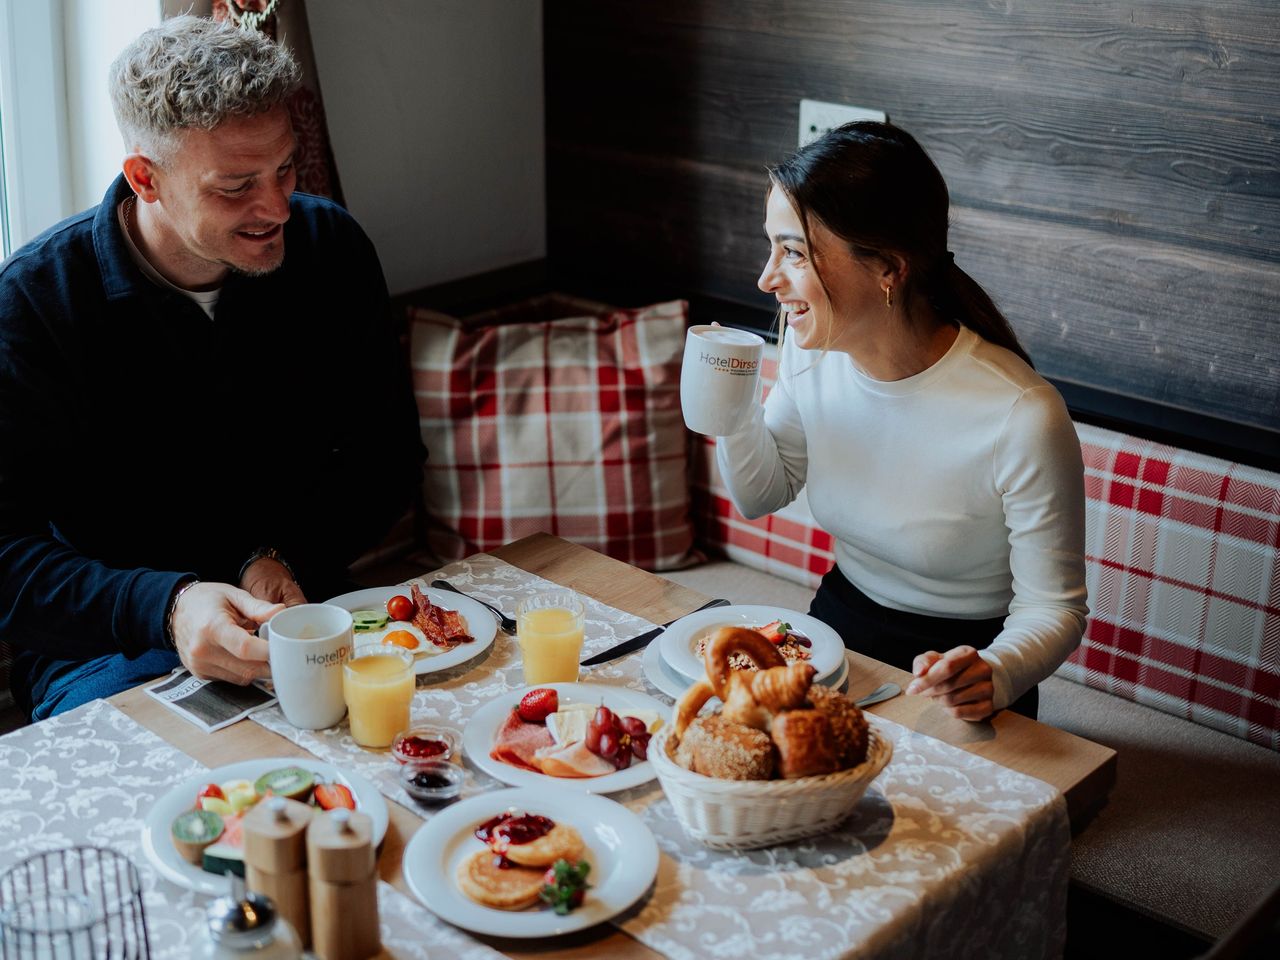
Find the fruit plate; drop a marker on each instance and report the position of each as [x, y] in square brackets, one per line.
[480, 624]
[164, 856]
[679, 641]
[478, 735]
[621, 850]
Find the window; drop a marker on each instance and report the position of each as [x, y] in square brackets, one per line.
[33, 129]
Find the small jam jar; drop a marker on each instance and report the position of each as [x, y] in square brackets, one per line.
[419, 744]
[432, 783]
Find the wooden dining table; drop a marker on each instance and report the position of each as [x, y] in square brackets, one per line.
[1082, 771]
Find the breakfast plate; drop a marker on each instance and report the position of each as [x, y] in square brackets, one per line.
[479, 734]
[480, 624]
[679, 641]
[621, 850]
[157, 843]
[675, 684]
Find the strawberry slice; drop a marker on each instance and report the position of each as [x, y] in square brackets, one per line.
[775, 632]
[537, 705]
[331, 796]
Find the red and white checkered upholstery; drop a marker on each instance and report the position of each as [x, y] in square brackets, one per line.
[565, 426]
[1183, 556]
[1182, 566]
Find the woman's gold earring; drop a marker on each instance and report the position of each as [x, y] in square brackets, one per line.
[888, 297]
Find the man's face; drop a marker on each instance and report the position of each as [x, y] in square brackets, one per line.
[224, 198]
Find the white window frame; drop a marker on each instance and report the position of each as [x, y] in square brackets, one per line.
[33, 117]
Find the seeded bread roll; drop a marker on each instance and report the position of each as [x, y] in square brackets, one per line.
[715, 747]
[848, 725]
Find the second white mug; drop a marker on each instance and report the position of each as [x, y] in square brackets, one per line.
[718, 379]
[307, 646]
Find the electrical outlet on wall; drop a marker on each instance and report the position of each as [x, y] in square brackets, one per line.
[817, 117]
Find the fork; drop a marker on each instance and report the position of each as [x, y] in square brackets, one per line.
[504, 621]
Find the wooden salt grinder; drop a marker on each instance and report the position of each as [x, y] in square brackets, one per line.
[275, 859]
[344, 886]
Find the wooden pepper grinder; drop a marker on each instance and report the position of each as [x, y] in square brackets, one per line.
[275, 858]
[344, 886]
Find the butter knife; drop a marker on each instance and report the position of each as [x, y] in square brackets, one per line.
[636, 642]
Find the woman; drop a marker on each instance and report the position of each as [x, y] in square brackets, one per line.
[946, 469]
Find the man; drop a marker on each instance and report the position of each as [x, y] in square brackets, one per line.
[204, 414]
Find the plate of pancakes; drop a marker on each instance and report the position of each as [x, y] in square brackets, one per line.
[457, 876]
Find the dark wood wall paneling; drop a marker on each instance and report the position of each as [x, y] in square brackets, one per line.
[1114, 168]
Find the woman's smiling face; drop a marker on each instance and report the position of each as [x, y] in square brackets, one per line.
[791, 274]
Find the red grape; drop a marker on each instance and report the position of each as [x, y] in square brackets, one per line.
[633, 725]
[623, 759]
[608, 745]
[593, 737]
[604, 717]
[640, 745]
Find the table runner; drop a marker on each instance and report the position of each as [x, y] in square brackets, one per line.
[90, 775]
[948, 854]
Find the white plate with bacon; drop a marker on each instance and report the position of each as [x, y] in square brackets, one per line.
[449, 617]
[525, 751]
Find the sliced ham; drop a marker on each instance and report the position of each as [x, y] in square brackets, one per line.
[572, 760]
[517, 742]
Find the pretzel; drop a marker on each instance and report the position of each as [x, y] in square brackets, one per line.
[730, 640]
[689, 704]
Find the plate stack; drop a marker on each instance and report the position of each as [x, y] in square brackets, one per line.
[672, 662]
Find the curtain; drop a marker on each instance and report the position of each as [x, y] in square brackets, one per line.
[285, 21]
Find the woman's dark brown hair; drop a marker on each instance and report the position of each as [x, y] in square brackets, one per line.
[872, 185]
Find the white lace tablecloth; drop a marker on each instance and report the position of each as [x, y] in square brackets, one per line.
[948, 854]
[90, 775]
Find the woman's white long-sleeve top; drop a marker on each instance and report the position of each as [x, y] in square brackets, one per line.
[957, 492]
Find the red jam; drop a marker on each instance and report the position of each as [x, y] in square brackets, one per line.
[422, 748]
[503, 830]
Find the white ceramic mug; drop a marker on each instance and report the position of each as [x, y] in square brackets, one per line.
[718, 379]
[307, 646]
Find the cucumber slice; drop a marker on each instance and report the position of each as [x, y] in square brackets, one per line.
[194, 831]
[292, 782]
[362, 621]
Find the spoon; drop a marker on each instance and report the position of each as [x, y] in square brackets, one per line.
[886, 691]
[507, 623]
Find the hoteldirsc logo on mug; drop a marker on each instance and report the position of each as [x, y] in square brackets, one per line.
[718, 379]
[734, 365]
[335, 659]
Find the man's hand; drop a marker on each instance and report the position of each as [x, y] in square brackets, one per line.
[271, 580]
[212, 629]
[959, 679]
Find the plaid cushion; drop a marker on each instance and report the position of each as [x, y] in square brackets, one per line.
[1184, 584]
[566, 426]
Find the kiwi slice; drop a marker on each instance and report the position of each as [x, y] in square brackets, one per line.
[292, 782]
[195, 830]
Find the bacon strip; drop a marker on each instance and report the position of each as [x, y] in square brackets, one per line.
[444, 628]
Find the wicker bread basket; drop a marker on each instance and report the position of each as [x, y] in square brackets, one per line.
[745, 814]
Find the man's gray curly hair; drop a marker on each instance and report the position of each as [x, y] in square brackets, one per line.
[192, 72]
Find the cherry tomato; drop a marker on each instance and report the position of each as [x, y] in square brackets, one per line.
[401, 638]
[401, 608]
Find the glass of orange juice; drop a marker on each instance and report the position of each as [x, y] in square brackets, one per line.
[549, 629]
[378, 683]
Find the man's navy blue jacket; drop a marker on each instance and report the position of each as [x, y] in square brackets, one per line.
[141, 441]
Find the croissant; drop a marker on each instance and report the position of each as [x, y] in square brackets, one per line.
[805, 743]
[730, 640]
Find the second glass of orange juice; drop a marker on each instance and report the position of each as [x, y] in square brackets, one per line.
[378, 684]
[549, 629]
